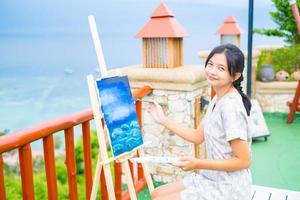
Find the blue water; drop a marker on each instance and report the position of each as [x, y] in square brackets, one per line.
[125, 138]
[46, 49]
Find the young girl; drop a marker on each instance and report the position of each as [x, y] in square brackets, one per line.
[224, 174]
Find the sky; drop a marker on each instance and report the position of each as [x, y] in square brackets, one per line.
[54, 32]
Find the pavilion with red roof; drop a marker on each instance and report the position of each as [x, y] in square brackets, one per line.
[230, 31]
[162, 40]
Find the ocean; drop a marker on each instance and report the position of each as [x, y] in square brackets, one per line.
[46, 49]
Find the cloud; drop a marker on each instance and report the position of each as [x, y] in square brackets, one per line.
[221, 3]
[107, 96]
[226, 3]
[119, 113]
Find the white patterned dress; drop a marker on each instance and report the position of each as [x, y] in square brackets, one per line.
[228, 120]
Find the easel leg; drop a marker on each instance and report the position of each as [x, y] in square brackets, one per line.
[146, 172]
[129, 180]
[96, 180]
[109, 182]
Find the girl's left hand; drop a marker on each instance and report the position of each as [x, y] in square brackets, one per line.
[187, 163]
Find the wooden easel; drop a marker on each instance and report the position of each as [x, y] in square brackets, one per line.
[294, 105]
[199, 111]
[103, 159]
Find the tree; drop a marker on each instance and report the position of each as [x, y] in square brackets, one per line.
[79, 151]
[58, 144]
[284, 18]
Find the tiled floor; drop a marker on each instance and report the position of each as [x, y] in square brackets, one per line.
[267, 193]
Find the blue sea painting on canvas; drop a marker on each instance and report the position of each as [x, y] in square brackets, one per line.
[119, 114]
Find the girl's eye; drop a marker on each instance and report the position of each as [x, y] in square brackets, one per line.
[209, 64]
[221, 69]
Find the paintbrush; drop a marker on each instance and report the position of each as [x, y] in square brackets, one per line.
[144, 100]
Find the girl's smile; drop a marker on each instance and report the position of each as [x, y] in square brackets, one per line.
[211, 78]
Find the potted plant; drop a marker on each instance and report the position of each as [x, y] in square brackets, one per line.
[267, 73]
[265, 70]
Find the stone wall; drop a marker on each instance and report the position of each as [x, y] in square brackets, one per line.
[179, 107]
[273, 96]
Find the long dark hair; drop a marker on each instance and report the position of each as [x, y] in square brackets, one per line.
[235, 62]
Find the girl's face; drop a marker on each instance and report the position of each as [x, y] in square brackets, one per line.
[217, 73]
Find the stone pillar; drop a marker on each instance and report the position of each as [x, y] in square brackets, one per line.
[175, 90]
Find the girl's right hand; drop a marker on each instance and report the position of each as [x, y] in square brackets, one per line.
[157, 112]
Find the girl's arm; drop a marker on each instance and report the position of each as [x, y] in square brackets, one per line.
[189, 134]
[241, 159]
[192, 135]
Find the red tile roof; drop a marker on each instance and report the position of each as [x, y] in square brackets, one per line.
[162, 11]
[230, 27]
[162, 24]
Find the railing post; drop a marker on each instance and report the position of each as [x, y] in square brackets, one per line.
[50, 167]
[118, 180]
[25, 158]
[2, 186]
[103, 187]
[140, 120]
[87, 157]
[70, 162]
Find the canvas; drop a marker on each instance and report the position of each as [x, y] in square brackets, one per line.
[259, 126]
[119, 113]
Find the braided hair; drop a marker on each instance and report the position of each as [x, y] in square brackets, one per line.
[236, 63]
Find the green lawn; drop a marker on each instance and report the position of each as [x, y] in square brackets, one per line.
[276, 162]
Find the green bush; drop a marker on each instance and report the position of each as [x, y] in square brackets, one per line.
[287, 58]
[61, 171]
[13, 188]
[79, 152]
[40, 186]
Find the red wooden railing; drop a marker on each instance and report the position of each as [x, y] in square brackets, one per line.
[22, 140]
